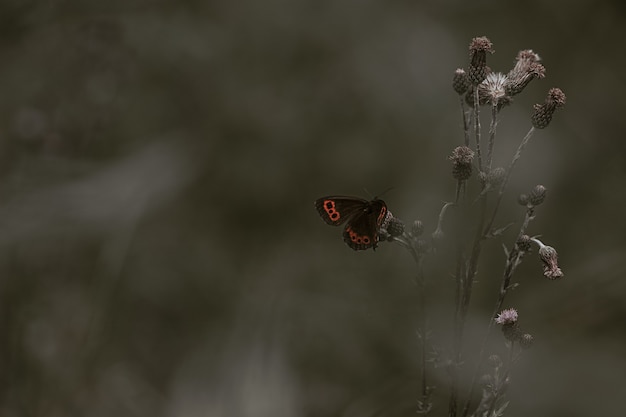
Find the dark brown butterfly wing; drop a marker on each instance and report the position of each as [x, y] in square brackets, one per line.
[336, 210]
[362, 231]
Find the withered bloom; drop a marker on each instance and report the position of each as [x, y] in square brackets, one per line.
[527, 68]
[549, 257]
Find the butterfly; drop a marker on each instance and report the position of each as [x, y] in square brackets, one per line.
[363, 218]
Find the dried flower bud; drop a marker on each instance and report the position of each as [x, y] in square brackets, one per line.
[543, 112]
[523, 243]
[527, 68]
[508, 316]
[461, 158]
[395, 227]
[537, 195]
[526, 341]
[493, 90]
[549, 257]
[460, 81]
[417, 228]
[522, 199]
[478, 68]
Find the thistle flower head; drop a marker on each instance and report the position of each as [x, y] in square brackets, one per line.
[542, 115]
[527, 68]
[508, 316]
[478, 68]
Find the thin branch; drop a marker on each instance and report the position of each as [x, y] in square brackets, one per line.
[466, 122]
[477, 129]
[492, 135]
[505, 182]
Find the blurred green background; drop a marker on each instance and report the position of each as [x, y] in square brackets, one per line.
[160, 252]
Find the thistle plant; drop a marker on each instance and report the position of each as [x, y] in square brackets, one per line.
[480, 187]
[474, 168]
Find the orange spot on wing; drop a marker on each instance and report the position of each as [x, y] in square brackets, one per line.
[329, 208]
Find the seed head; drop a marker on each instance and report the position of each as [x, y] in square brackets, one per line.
[492, 90]
[478, 68]
[542, 115]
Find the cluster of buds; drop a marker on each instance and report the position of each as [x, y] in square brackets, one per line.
[497, 88]
[536, 196]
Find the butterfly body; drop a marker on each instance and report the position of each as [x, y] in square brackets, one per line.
[363, 218]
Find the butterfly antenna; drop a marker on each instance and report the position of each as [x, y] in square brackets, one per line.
[385, 192]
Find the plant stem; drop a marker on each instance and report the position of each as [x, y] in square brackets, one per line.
[420, 282]
[505, 182]
[512, 263]
[477, 129]
[502, 380]
[465, 122]
[492, 135]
